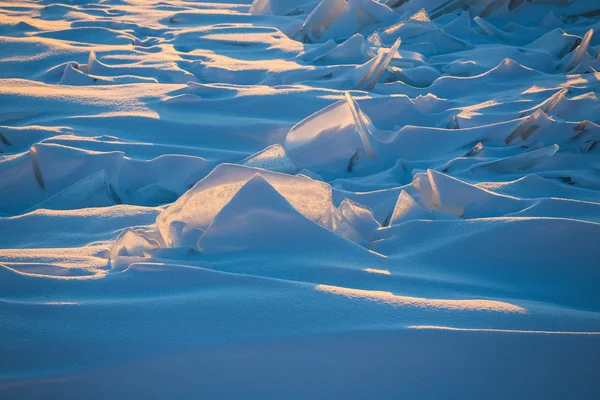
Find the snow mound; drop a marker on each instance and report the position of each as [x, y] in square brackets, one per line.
[259, 218]
[198, 207]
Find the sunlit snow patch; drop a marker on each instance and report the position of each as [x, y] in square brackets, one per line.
[432, 304]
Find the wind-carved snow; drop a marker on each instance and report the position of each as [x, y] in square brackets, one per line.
[299, 199]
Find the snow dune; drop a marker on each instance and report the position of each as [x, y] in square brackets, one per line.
[299, 199]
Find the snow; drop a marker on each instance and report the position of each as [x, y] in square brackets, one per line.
[299, 199]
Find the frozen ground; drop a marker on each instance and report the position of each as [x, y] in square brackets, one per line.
[294, 199]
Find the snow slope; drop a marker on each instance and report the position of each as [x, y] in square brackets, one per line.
[299, 199]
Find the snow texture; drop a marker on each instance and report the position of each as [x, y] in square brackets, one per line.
[299, 199]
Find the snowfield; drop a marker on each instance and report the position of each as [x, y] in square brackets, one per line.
[298, 199]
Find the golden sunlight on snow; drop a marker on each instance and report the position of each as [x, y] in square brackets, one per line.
[419, 302]
[449, 328]
[377, 271]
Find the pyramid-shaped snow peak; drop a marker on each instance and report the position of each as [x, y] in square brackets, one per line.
[406, 209]
[200, 205]
[258, 217]
[461, 199]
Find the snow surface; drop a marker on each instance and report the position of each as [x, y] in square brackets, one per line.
[300, 199]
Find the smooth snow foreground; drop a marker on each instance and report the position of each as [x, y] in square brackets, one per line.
[300, 199]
